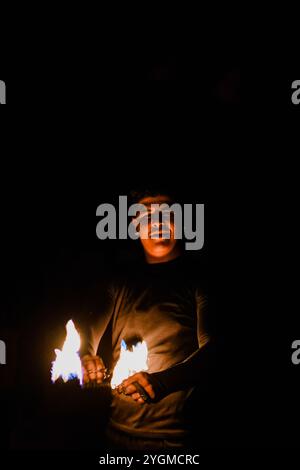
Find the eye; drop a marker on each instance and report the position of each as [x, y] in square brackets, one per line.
[142, 217]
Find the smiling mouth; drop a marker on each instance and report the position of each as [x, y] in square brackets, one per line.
[161, 233]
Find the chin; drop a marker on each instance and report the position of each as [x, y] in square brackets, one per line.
[162, 248]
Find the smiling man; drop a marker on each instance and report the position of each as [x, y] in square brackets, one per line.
[157, 232]
[164, 304]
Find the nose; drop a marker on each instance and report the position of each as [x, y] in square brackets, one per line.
[156, 224]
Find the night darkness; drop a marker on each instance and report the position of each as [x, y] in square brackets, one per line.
[51, 257]
[188, 136]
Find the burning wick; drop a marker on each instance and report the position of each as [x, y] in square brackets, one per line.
[67, 364]
[130, 362]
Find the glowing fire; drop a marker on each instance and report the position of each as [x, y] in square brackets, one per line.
[130, 362]
[67, 363]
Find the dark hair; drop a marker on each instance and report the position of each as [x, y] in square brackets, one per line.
[137, 194]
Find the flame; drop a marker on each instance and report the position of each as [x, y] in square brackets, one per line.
[130, 362]
[67, 363]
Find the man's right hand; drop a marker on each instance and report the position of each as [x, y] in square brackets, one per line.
[93, 369]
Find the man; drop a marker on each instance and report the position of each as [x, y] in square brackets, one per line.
[162, 304]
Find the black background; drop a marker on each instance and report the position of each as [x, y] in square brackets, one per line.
[86, 132]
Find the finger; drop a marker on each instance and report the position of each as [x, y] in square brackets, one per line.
[146, 397]
[96, 360]
[142, 379]
[84, 374]
[144, 382]
[92, 375]
[94, 369]
[99, 369]
[141, 401]
[86, 359]
[136, 396]
[99, 377]
[85, 378]
[139, 377]
[91, 370]
[89, 365]
[150, 391]
[99, 363]
[131, 379]
[130, 389]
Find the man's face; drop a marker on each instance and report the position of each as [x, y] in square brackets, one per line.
[163, 229]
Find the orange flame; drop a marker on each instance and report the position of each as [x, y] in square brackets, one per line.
[130, 362]
[67, 363]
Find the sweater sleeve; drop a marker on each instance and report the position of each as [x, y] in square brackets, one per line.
[195, 368]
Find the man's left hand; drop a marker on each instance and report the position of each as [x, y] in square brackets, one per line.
[129, 388]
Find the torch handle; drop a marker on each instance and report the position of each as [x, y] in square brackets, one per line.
[145, 396]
